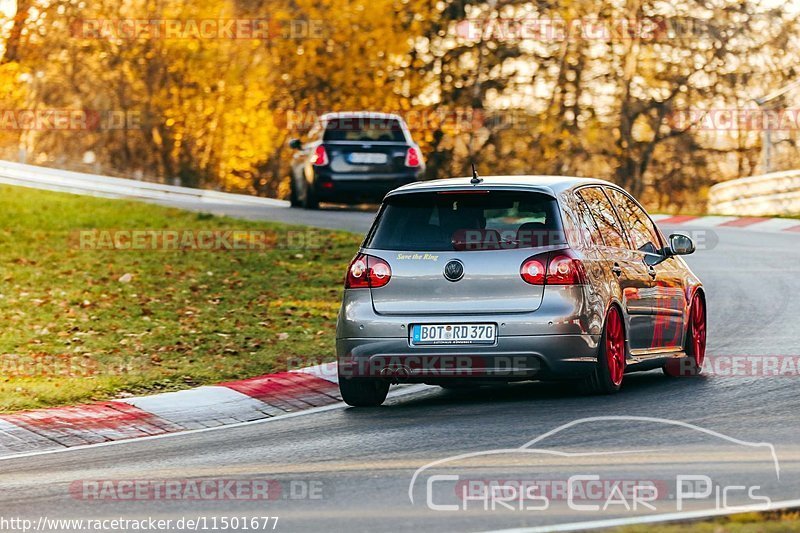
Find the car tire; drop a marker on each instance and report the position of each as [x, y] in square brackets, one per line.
[310, 199]
[610, 367]
[363, 392]
[694, 345]
[294, 201]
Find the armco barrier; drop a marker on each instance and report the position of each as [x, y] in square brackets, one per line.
[771, 194]
[77, 182]
[777, 193]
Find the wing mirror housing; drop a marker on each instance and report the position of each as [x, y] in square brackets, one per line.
[681, 244]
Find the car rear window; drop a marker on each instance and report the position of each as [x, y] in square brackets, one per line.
[485, 220]
[373, 129]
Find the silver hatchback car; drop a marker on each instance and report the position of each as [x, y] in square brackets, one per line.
[511, 278]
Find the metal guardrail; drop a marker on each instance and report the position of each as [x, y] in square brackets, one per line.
[777, 193]
[105, 186]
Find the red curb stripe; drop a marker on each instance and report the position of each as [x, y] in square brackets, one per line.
[270, 392]
[312, 389]
[290, 391]
[795, 229]
[91, 424]
[744, 222]
[677, 219]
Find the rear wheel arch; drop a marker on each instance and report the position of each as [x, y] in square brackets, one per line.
[692, 363]
[625, 319]
[602, 380]
[696, 291]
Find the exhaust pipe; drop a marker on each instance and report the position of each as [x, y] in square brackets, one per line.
[395, 374]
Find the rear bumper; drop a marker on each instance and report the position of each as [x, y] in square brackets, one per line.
[510, 359]
[557, 341]
[333, 187]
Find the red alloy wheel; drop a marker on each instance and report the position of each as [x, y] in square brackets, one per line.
[615, 347]
[698, 331]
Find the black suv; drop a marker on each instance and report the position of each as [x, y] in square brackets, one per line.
[353, 157]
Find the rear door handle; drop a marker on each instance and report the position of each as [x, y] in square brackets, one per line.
[616, 269]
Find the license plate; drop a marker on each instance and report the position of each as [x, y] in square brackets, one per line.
[360, 158]
[453, 333]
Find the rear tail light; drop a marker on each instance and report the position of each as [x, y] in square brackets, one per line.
[379, 272]
[553, 268]
[564, 269]
[412, 157]
[367, 272]
[320, 156]
[532, 270]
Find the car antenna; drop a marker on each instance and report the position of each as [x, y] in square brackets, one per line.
[475, 178]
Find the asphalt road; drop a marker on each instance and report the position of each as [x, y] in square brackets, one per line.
[344, 469]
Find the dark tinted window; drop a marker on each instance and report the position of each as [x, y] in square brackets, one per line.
[603, 214]
[641, 229]
[493, 220]
[363, 129]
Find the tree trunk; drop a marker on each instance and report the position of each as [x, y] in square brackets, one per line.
[15, 36]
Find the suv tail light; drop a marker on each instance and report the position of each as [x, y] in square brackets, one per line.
[560, 267]
[367, 272]
[412, 157]
[320, 157]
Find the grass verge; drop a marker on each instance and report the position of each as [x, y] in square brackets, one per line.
[86, 322]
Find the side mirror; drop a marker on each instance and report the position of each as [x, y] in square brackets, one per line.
[681, 244]
[295, 144]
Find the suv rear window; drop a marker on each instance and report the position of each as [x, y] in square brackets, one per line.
[485, 220]
[373, 129]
